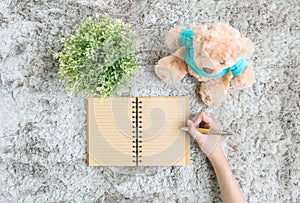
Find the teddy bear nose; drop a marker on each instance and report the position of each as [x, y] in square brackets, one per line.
[208, 70]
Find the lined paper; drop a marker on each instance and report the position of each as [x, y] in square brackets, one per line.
[111, 130]
[163, 143]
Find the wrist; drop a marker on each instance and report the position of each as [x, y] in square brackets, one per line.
[217, 157]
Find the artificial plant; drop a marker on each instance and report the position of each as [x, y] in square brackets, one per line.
[98, 58]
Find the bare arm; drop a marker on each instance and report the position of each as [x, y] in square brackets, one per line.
[229, 188]
[211, 146]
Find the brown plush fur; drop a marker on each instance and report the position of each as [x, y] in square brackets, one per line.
[216, 47]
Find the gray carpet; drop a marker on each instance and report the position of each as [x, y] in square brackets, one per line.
[42, 130]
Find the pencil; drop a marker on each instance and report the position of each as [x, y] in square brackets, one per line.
[209, 131]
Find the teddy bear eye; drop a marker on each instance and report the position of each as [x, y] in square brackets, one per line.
[222, 62]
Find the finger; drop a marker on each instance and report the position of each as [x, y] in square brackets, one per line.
[194, 132]
[202, 120]
[206, 118]
[209, 122]
[197, 119]
[192, 129]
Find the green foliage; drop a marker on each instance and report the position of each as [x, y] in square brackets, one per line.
[98, 58]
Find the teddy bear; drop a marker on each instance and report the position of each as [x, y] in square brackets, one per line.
[214, 54]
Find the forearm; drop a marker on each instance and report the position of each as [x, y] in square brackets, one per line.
[211, 146]
[229, 188]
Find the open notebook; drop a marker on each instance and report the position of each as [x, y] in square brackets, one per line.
[137, 131]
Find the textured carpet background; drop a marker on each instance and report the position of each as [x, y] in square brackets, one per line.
[42, 130]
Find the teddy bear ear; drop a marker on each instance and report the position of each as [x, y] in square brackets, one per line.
[200, 30]
[246, 47]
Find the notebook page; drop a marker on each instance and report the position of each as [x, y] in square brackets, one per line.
[109, 132]
[163, 143]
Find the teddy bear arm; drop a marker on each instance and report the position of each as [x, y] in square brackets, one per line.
[245, 79]
[180, 53]
[213, 92]
[172, 38]
[171, 68]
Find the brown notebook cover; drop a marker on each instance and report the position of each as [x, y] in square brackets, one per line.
[137, 131]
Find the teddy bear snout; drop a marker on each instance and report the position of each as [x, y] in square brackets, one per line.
[208, 70]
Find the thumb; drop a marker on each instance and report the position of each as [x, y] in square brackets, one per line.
[194, 132]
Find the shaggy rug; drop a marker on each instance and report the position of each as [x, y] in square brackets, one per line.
[42, 130]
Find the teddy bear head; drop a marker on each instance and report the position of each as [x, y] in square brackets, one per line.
[218, 46]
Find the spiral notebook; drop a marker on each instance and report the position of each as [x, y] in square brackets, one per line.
[137, 131]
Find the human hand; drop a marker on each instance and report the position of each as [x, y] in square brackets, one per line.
[209, 144]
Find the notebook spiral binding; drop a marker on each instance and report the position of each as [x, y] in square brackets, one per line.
[137, 131]
[140, 127]
[134, 157]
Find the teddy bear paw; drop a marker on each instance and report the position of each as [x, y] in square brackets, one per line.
[212, 93]
[244, 80]
[165, 74]
[171, 69]
[238, 83]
